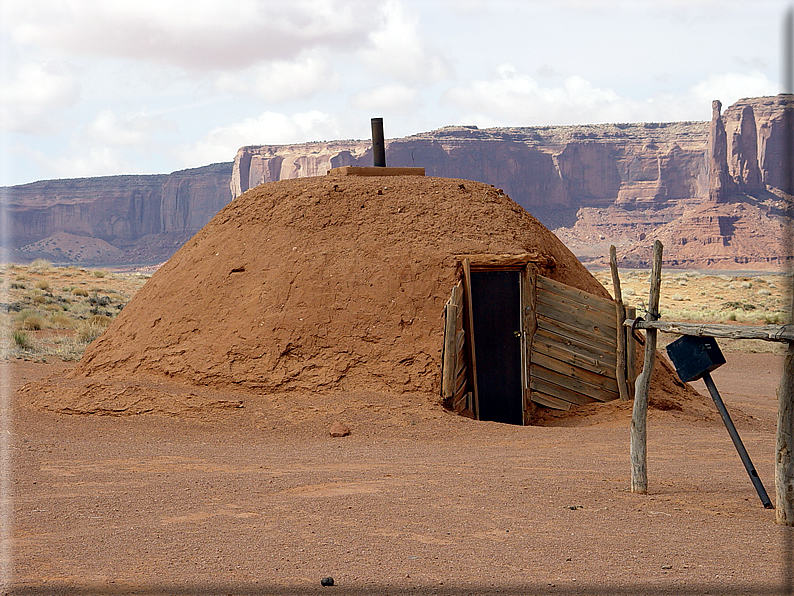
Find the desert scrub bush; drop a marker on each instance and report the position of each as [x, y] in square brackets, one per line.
[737, 305]
[33, 323]
[16, 285]
[100, 320]
[88, 331]
[61, 321]
[775, 318]
[99, 273]
[39, 299]
[22, 340]
[40, 266]
[42, 284]
[80, 292]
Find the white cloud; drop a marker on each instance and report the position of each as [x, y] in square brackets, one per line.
[730, 87]
[514, 99]
[283, 80]
[396, 99]
[397, 50]
[108, 128]
[97, 161]
[270, 128]
[194, 35]
[38, 90]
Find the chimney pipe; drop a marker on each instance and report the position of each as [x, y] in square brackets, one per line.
[378, 144]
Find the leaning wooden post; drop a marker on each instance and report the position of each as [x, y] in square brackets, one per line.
[620, 316]
[639, 417]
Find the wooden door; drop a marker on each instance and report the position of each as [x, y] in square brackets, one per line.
[496, 309]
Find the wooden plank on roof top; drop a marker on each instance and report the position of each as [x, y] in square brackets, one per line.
[576, 335]
[571, 371]
[573, 385]
[375, 171]
[575, 294]
[520, 260]
[550, 402]
[595, 321]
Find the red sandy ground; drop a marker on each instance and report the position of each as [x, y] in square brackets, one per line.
[262, 500]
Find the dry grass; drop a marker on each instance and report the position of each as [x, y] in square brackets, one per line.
[689, 296]
[56, 312]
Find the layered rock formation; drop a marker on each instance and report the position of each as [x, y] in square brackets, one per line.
[136, 218]
[594, 185]
[551, 171]
[741, 223]
[597, 185]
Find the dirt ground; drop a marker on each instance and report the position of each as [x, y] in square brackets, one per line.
[261, 500]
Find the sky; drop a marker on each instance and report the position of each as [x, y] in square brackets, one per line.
[105, 87]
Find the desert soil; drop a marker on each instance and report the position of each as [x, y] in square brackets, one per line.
[261, 500]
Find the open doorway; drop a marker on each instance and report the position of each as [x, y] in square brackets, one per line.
[515, 340]
[496, 307]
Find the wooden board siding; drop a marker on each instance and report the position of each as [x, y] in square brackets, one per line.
[569, 345]
[454, 388]
[573, 354]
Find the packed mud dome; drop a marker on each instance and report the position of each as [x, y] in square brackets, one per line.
[329, 284]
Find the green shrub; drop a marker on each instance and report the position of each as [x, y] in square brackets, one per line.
[22, 340]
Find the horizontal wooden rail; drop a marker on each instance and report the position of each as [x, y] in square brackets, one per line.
[783, 333]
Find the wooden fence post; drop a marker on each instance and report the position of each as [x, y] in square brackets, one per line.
[639, 417]
[620, 315]
[784, 444]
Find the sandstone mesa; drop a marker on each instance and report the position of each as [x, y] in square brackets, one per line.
[711, 191]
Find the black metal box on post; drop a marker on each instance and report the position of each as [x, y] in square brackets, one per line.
[694, 357]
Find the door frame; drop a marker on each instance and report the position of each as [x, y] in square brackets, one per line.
[528, 288]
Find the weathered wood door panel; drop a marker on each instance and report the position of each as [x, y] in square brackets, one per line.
[573, 353]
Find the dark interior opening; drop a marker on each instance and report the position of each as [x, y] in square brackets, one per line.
[496, 309]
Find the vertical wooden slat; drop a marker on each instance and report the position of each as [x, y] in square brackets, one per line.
[468, 322]
[620, 316]
[449, 363]
[631, 353]
[529, 323]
